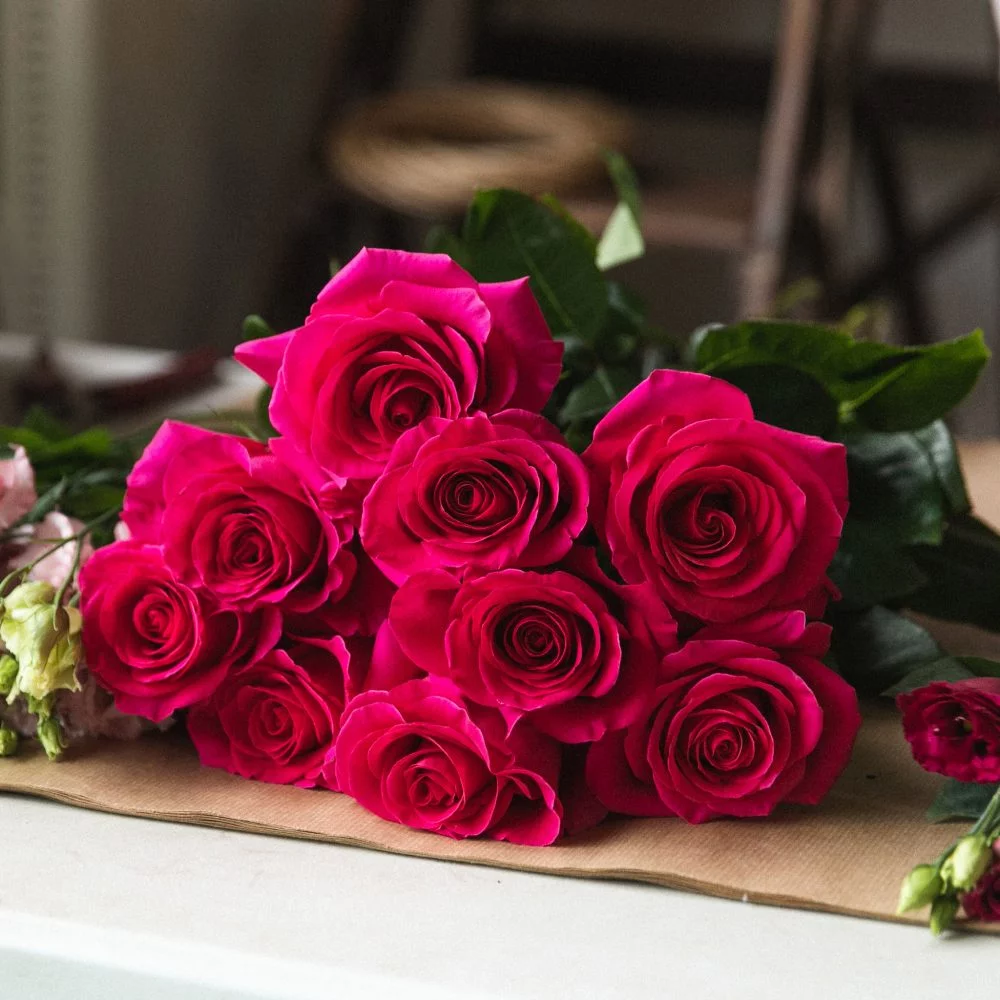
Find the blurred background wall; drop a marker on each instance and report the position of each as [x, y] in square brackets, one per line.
[161, 160]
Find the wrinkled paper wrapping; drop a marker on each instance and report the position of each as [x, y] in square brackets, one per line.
[846, 856]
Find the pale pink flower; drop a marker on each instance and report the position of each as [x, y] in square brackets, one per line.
[55, 568]
[17, 488]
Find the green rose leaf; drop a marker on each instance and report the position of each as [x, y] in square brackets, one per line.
[962, 574]
[870, 568]
[787, 397]
[593, 397]
[877, 648]
[887, 388]
[960, 800]
[948, 668]
[508, 235]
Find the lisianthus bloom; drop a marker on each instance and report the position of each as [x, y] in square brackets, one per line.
[17, 488]
[156, 644]
[53, 565]
[954, 728]
[44, 639]
[476, 493]
[566, 648]
[733, 728]
[235, 521]
[420, 755]
[724, 515]
[277, 719]
[393, 339]
[983, 902]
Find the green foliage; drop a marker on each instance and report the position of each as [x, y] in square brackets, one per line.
[881, 387]
[960, 800]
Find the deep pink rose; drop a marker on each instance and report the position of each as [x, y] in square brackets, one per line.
[733, 729]
[154, 643]
[234, 520]
[476, 493]
[723, 514]
[954, 728]
[566, 648]
[277, 719]
[17, 488]
[421, 756]
[396, 337]
[983, 903]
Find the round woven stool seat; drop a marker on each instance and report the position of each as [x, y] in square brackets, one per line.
[425, 152]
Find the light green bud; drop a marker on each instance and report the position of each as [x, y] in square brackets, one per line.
[969, 860]
[50, 735]
[8, 674]
[922, 886]
[44, 640]
[8, 742]
[943, 911]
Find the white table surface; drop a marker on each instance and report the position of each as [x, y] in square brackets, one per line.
[95, 906]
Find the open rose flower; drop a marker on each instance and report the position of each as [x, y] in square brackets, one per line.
[277, 719]
[235, 521]
[155, 644]
[394, 338]
[725, 515]
[954, 728]
[732, 729]
[566, 648]
[419, 755]
[475, 493]
[17, 488]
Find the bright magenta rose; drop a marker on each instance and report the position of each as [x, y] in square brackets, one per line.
[476, 493]
[566, 648]
[419, 755]
[277, 719]
[954, 728]
[723, 514]
[733, 729]
[154, 643]
[235, 521]
[396, 337]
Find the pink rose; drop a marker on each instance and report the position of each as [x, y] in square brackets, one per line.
[234, 520]
[17, 488]
[954, 728]
[394, 338]
[733, 729]
[276, 719]
[571, 651]
[725, 515]
[476, 493]
[39, 538]
[420, 756]
[154, 643]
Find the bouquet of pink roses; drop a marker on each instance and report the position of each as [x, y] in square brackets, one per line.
[501, 558]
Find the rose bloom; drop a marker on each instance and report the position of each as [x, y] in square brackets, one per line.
[277, 719]
[732, 729]
[566, 648]
[420, 755]
[983, 902]
[234, 520]
[392, 339]
[476, 493]
[954, 728]
[154, 643]
[725, 515]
